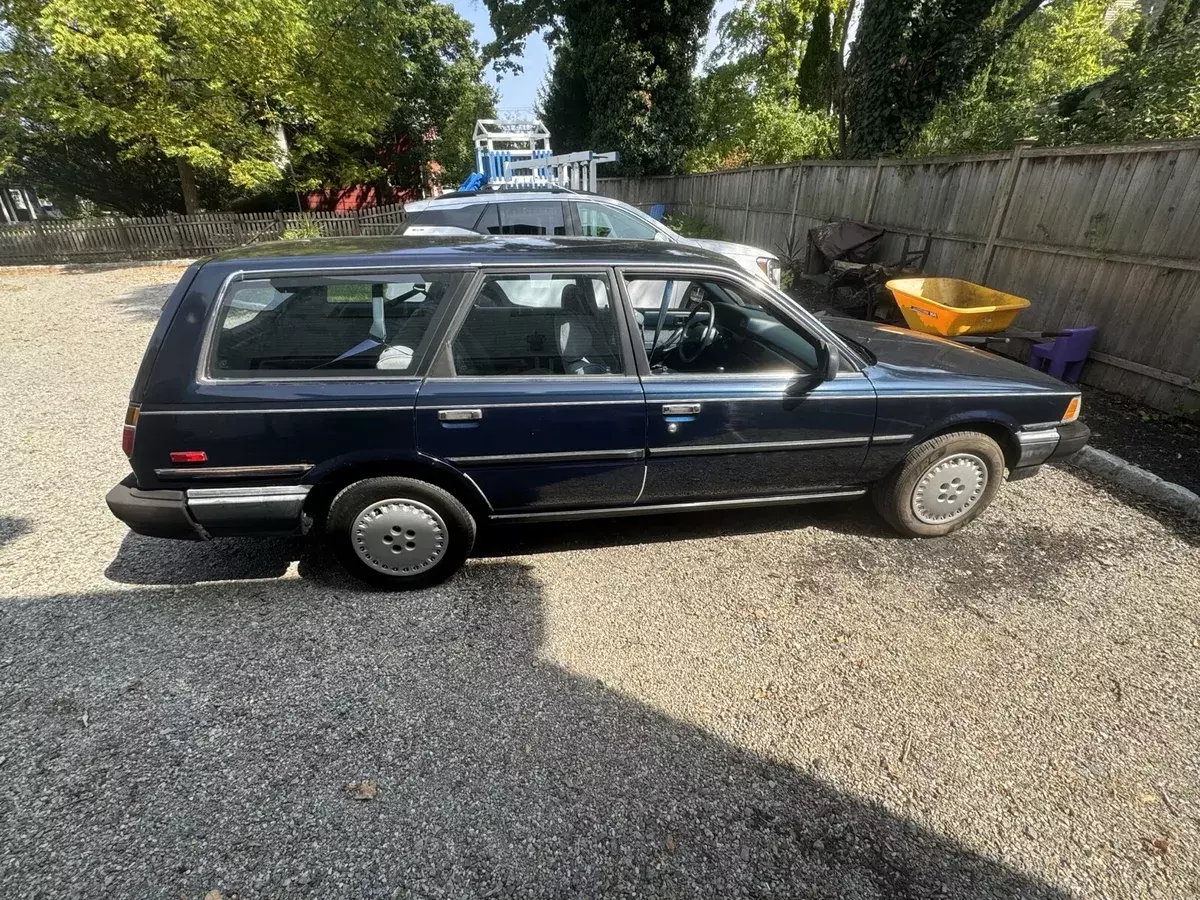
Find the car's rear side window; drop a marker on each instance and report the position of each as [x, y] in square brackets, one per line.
[318, 327]
[544, 323]
[539, 217]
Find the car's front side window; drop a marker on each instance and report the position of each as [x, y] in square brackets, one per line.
[317, 327]
[602, 220]
[703, 325]
[540, 323]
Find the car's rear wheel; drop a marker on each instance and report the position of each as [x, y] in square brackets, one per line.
[941, 485]
[400, 533]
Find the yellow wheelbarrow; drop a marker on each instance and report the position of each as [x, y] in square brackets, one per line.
[950, 306]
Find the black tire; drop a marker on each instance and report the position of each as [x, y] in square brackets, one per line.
[894, 496]
[415, 498]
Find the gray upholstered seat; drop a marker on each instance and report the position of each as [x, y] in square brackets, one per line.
[580, 342]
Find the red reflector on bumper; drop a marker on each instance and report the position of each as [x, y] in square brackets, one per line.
[188, 456]
[127, 434]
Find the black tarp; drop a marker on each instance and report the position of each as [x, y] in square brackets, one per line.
[849, 241]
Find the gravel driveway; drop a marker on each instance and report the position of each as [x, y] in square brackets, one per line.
[783, 704]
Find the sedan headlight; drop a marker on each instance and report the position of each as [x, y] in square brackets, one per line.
[770, 267]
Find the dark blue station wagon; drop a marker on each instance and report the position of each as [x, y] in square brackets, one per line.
[393, 393]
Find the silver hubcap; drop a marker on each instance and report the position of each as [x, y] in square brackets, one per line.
[949, 489]
[399, 537]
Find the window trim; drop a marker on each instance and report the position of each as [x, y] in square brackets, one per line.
[441, 366]
[421, 355]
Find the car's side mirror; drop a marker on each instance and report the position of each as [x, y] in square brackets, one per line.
[828, 364]
[832, 361]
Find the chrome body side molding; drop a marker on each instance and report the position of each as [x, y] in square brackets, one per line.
[200, 473]
[574, 456]
[267, 509]
[740, 503]
[1036, 446]
[699, 449]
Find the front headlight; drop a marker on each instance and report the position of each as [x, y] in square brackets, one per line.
[1073, 408]
[769, 266]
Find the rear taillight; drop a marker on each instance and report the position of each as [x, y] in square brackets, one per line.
[130, 429]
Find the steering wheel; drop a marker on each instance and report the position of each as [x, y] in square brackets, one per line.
[705, 339]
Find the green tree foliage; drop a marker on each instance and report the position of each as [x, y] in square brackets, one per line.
[750, 100]
[1175, 16]
[622, 78]
[1065, 45]
[1067, 78]
[814, 81]
[95, 167]
[910, 55]
[764, 41]
[1153, 95]
[242, 89]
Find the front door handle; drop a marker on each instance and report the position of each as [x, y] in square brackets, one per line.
[680, 409]
[459, 415]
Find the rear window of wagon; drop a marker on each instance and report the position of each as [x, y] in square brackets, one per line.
[325, 326]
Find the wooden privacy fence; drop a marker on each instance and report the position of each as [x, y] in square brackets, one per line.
[175, 236]
[1106, 236]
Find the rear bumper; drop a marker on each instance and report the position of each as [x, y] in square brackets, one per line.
[161, 514]
[200, 513]
[1048, 444]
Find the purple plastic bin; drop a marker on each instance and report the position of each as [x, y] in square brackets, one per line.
[1064, 356]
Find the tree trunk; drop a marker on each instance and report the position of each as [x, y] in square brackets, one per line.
[839, 79]
[187, 183]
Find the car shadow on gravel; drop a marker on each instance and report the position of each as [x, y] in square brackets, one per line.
[151, 561]
[855, 518]
[213, 738]
[11, 528]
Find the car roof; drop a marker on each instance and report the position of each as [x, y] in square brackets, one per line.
[426, 250]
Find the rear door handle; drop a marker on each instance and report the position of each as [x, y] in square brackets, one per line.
[459, 415]
[680, 409]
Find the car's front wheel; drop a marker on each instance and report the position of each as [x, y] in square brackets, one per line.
[943, 484]
[400, 533]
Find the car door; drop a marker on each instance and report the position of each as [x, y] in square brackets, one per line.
[535, 396]
[752, 414]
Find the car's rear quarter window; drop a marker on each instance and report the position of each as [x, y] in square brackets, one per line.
[320, 327]
[457, 217]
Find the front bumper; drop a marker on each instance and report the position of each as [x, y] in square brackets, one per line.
[1048, 444]
[200, 513]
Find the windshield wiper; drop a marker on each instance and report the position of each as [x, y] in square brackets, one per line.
[868, 357]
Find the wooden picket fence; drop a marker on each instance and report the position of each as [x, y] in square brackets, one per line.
[172, 236]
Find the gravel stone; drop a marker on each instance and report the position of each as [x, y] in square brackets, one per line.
[806, 705]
